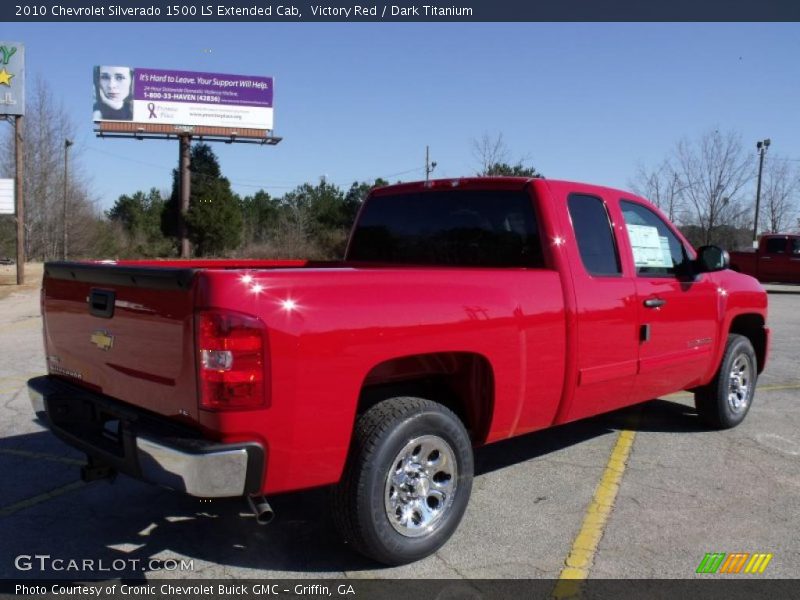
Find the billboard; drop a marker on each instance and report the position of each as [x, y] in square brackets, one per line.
[12, 78]
[158, 97]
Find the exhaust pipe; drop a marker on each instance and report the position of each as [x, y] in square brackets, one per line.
[261, 509]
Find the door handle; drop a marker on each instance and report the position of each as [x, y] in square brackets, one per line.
[654, 302]
[766, 258]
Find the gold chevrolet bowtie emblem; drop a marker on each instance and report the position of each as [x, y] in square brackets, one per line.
[102, 339]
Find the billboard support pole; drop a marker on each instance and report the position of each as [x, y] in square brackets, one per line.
[18, 166]
[186, 183]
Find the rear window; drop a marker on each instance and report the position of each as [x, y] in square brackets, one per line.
[470, 228]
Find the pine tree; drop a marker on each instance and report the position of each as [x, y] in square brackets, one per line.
[214, 220]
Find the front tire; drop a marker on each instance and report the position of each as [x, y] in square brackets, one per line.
[724, 402]
[407, 481]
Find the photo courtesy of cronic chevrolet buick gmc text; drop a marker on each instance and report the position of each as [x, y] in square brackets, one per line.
[465, 312]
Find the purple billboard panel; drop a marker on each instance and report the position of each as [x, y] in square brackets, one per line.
[202, 88]
[184, 98]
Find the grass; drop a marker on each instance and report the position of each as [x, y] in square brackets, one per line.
[8, 278]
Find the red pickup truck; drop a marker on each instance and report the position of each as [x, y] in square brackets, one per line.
[465, 312]
[777, 259]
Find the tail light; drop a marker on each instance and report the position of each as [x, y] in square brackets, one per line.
[231, 361]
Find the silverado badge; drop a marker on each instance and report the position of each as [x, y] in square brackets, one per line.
[102, 339]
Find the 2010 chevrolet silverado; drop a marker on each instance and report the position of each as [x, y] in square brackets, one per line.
[465, 311]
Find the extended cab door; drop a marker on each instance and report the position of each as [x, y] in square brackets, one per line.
[606, 342]
[678, 312]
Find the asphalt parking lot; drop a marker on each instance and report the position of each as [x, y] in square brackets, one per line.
[666, 491]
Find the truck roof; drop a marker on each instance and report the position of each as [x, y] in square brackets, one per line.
[505, 183]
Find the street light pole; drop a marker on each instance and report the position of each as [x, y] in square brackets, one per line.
[67, 144]
[761, 146]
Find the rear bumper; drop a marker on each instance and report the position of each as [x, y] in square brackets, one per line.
[146, 446]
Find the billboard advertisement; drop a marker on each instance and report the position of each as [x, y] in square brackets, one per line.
[12, 78]
[158, 97]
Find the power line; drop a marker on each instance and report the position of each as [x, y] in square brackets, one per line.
[252, 185]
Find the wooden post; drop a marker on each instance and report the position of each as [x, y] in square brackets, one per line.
[186, 183]
[18, 160]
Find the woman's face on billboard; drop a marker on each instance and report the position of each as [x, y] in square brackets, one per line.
[115, 85]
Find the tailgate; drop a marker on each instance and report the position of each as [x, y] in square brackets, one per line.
[127, 332]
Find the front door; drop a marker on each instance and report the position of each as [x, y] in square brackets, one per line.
[677, 311]
[773, 261]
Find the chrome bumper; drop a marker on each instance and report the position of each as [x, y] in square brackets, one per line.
[188, 464]
[217, 474]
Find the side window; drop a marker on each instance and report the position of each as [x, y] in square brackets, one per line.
[776, 246]
[656, 250]
[796, 246]
[594, 235]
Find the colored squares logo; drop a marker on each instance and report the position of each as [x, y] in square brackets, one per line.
[734, 563]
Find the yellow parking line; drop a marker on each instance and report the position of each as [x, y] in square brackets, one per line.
[581, 556]
[761, 388]
[584, 547]
[775, 388]
[42, 456]
[24, 323]
[22, 379]
[29, 502]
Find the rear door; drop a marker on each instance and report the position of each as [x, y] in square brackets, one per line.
[605, 295]
[677, 312]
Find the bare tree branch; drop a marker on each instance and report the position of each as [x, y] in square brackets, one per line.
[779, 195]
[489, 151]
[713, 171]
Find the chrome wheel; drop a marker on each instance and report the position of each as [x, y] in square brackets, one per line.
[740, 383]
[421, 485]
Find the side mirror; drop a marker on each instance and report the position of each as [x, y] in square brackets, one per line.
[712, 258]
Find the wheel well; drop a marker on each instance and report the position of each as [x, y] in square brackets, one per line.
[461, 381]
[752, 327]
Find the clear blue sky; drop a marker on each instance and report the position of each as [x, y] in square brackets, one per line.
[356, 101]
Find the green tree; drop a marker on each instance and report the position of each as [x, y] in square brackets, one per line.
[8, 237]
[139, 216]
[260, 214]
[214, 220]
[503, 169]
[492, 155]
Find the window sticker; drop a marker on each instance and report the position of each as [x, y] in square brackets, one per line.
[649, 249]
[665, 251]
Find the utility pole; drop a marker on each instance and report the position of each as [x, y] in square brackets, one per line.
[761, 146]
[18, 167]
[186, 183]
[67, 144]
[429, 166]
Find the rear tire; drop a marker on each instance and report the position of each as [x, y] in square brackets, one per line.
[724, 402]
[407, 481]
